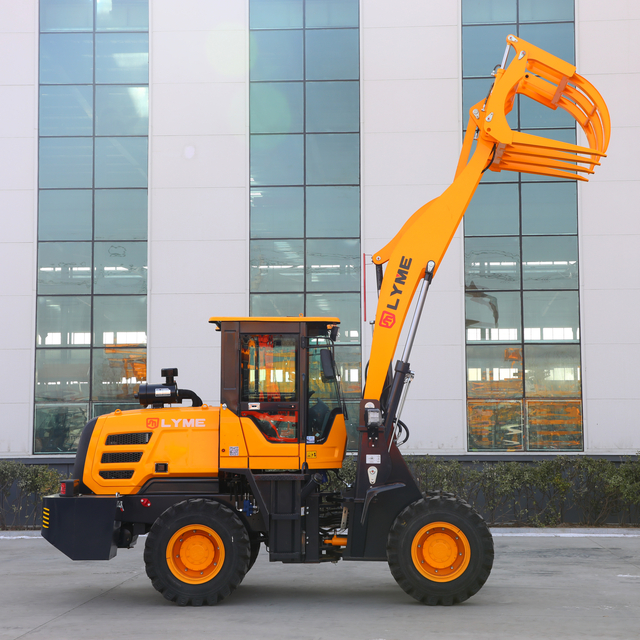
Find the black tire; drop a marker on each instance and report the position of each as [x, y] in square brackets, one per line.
[255, 550]
[417, 551]
[213, 539]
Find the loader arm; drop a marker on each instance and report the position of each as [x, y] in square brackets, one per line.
[428, 232]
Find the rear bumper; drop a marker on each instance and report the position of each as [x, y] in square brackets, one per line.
[82, 527]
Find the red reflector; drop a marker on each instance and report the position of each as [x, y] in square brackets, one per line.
[63, 489]
[145, 502]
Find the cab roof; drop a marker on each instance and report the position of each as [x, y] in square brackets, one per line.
[314, 319]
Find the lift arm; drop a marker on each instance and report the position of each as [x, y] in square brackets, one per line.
[428, 232]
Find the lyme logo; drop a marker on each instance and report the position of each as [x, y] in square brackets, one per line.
[387, 319]
[153, 423]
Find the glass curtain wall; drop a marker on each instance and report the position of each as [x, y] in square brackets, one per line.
[521, 255]
[305, 169]
[91, 328]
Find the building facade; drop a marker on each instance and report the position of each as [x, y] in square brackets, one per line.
[164, 164]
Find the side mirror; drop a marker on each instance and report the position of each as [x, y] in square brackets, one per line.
[328, 370]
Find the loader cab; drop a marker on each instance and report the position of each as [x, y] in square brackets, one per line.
[280, 374]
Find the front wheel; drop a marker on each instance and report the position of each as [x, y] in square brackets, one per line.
[197, 552]
[440, 550]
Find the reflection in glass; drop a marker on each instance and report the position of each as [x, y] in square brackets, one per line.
[474, 12]
[58, 427]
[533, 114]
[102, 408]
[121, 214]
[277, 159]
[122, 58]
[494, 211]
[276, 107]
[549, 208]
[350, 371]
[119, 320]
[64, 214]
[331, 13]
[121, 162]
[492, 263]
[277, 265]
[276, 55]
[333, 265]
[493, 317]
[122, 111]
[333, 158]
[120, 267]
[551, 10]
[483, 48]
[275, 14]
[550, 262]
[117, 373]
[345, 306]
[554, 425]
[495, 426]
[278, 305]
[494, 371]
[66, 15]
[277, 212]
[557, 39]
[551, 316]
[64, 267]
[66, 163]
[332, 106]
[552, 371]
[66, 110]
[62, 375]
[122, 15]
[66, 58]
[332, 54]
[333, 212]
[63, 321]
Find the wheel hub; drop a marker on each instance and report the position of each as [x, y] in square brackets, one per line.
[195, 554]
[440, 552]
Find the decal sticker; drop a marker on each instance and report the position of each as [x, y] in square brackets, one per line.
[387, 319]
[234, 451]
[373, 458]
[311, 439]
[153, 423]
[312, 454]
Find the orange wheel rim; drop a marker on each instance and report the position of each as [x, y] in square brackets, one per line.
[195, 554]
[440, 552]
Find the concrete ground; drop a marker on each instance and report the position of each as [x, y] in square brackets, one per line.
[551, 584]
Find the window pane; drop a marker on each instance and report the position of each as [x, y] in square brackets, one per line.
[123, 15]
[64, 267]
[66, 111]
[345, 306]
[277, 159]
[331, 13]
[276, 305]
[119, 320]
[495, 426]
[494, 211]
[276, 55]
[62, 375]
[552, 371]
[121, 162]
[550, 262]
[556, 39]
[66, 58]
[554, 425]
[488, 11]
[492, 263]
[66, 15]
[333, 265]
[117, 373]
[121, 214]
[533, 114]
[551, 10]
[493, 317]
[275, 14]
[333, 212]
[551, 316]
[333, 158]
[277, 212]
[494, 371]
[122, 58]
[276, 107]
[65, 214]
[476, 89]
[549, 208]
[268, 368]
[66, 162]
[120, 268]
[333, 106]
[483, 48]
[122, 111]
[102, 408]
[349, 363]
[277, 265]
[564, 135]
[332, 54]
[58, 427]
[63, 321]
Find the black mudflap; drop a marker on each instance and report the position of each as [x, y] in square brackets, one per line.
[83, 528]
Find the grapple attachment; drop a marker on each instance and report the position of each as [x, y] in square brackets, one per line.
[555, 84]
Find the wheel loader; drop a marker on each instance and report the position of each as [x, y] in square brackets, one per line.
[208, 485]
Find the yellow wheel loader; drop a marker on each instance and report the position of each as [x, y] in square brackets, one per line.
[209, 485]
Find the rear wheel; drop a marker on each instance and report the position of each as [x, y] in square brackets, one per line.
[440, 550]
[197, 552]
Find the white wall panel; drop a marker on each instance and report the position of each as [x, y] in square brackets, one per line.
[19, 209]
[403, 13]
[15, 429]
[437, 427]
